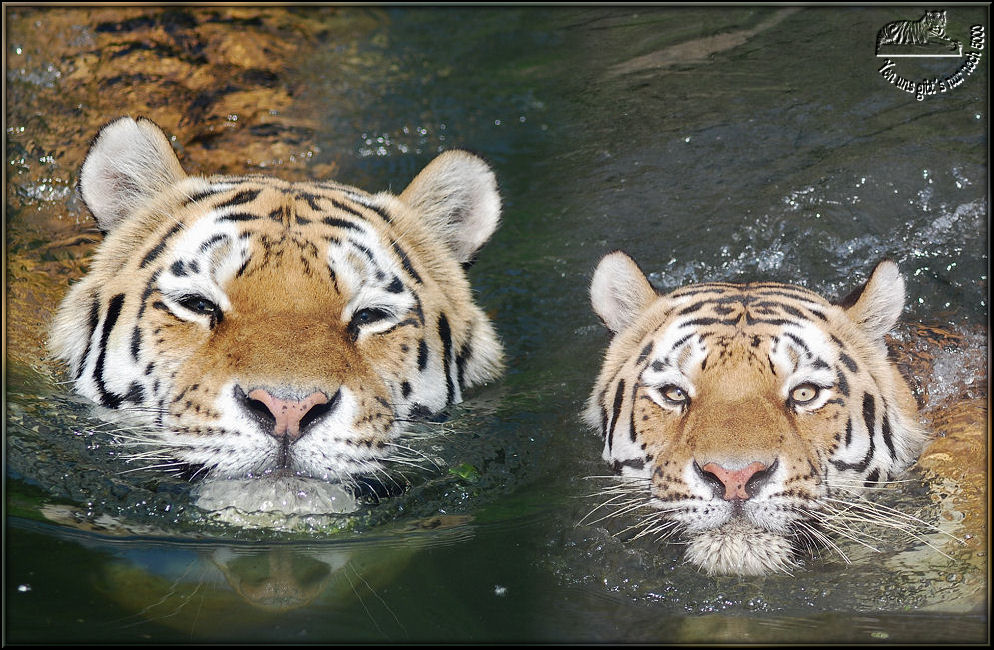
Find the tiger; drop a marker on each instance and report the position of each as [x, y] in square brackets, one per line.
[929, 28]
[745, 416]
[251, 328]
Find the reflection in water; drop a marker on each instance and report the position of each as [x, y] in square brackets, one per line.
[278, 579]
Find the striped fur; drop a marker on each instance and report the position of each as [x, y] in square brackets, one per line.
[744, 408]
[206, 290]
[931, 27]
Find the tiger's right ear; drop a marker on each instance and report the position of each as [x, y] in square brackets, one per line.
[620, 291]
[129, 162]
[877, 305]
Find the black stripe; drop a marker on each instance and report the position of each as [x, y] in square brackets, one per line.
[631, 423]
[209, 243]
[347, 208]
[241, 269]
[446, 335]
[708, 321]
[769, 321]
[422, 355]
[92, 326]
[161, 246]
[380, 211]
[842, 383]
[136, 393]
[106, 398]
[644, 353]
[312, 200]
[616, 411]
[869, 413]
[798, 341]
[240, 216]
[636, 463]
[849, 363]
[465, 351]
[150, 288]
[245, 196]
[887, 435]
[861, 465]
[406, 262]
[136, 341]
[340, 223]
[200, 196]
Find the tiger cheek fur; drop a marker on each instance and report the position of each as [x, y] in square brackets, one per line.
[747, 410]
[253, 327]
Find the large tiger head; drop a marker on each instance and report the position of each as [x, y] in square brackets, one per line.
[256, 327]
[745, 413]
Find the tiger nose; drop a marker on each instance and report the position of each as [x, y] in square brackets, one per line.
[738, 484]
[288, 417]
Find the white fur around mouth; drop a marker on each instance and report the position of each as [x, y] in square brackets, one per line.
[266, 498]
[740, 548]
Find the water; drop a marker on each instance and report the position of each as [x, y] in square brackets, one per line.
[709, 143]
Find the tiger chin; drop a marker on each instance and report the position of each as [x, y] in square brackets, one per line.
[272, 338]
[747, 416]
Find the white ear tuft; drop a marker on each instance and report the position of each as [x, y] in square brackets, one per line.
[620, 291]
[879, 303]
[456, 195]
[129, 162]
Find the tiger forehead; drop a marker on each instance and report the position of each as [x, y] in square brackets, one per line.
[260, 201]
[748, 304]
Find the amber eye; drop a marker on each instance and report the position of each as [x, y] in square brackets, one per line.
[804, 394]
[674, 394]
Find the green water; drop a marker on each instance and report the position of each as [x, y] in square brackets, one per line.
[709, 143]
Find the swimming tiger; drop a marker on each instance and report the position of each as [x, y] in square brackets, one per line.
[929, 28]
[255, 328]
[747, 416]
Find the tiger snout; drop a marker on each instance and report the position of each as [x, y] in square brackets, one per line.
[735, 484]
[281, 413]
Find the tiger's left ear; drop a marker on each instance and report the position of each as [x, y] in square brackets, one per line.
[129, 163]
[619, 291]
[456, 195]
[877, 305]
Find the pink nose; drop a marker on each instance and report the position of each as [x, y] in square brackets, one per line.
[734, 480]
[288, 413]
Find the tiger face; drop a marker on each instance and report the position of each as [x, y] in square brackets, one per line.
[258, 328]
[936, 22]
[745, 413]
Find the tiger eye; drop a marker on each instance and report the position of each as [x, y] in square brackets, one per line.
[674, 394]
[804, 393]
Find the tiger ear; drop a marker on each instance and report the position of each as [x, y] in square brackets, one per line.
[620, 291]
[456, 195]
[877, 305]
[129, 162]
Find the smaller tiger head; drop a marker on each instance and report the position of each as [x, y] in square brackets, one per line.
[936, 21]
[745, 413]
[259, 328]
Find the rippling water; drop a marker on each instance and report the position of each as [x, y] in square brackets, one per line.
[709, 143]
